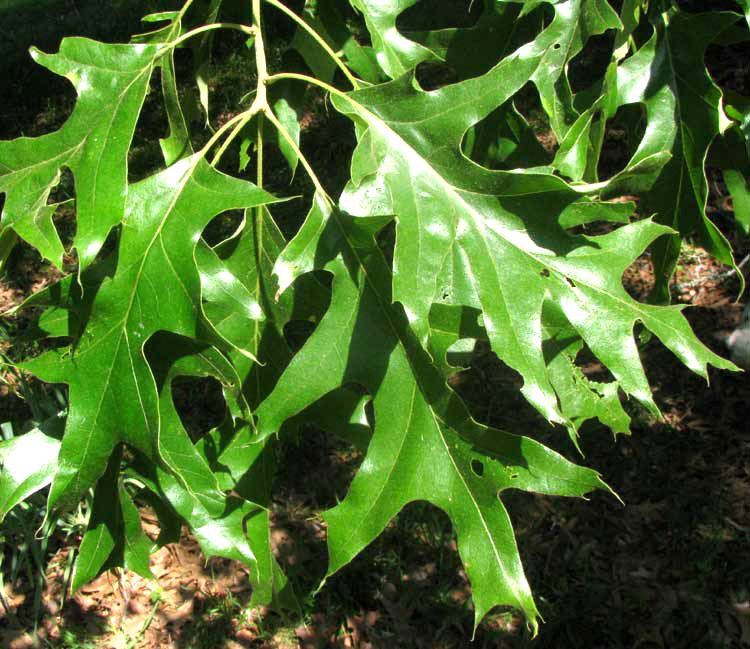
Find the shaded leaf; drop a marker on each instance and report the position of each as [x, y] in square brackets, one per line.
[731, 152]
[177, 144]
[425, 445]
[104, 526]
[137, 546]
[679, 195]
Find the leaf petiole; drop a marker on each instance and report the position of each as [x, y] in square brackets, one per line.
[318, 39]
[205, 28]
[184, 9]
[290, 140]
[244, 117]
[260, 103]
[316, 82]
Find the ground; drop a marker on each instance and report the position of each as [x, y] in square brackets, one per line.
[669, 566]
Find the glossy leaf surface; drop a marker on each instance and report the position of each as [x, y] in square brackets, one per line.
[425, 445]
[680, 193]
[28, 464]
[482, 204]
[111, 82]
[156, 286]
[485, 239]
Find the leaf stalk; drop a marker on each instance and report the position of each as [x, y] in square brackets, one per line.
[260, 103]
[232, 123]
[205, 28]
[316, 82]
[290, 140]
[318, 39]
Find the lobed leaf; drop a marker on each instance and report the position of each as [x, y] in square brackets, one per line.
[491, 243]
[28, 463]
[679, 194]
[111, 82]
[490, 239]
[156, 286]
[425, 445]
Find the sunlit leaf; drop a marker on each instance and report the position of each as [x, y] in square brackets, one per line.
[156, 286]
[111, 82]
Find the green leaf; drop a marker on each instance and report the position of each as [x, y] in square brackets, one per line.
[241, 533]
[575, 21]
[584, 212]
[177, 144]
[450, 326]
[504, 140]
[316, 58]
[395, 53]
[342, 412]
[8, 241]
[580, 397]
[630, 16]
[457, 227]
[29, 463]
[114, 536]
[470, 236]
[250, 257]
[137, 546]
[471, 51]
[156, 286]
[745, 4]
[202, 56]
[102, 532]
[226, 526]
[679, 195]
[738, 109]
[287, 101]
[635, 85]
[227, 303]
[111, 82]
[572, 156]
[425, 446]
[252, 466]
[360, 59]
[730, 153]
[171, 357]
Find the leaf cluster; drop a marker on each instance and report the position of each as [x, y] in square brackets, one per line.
[456, 226]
